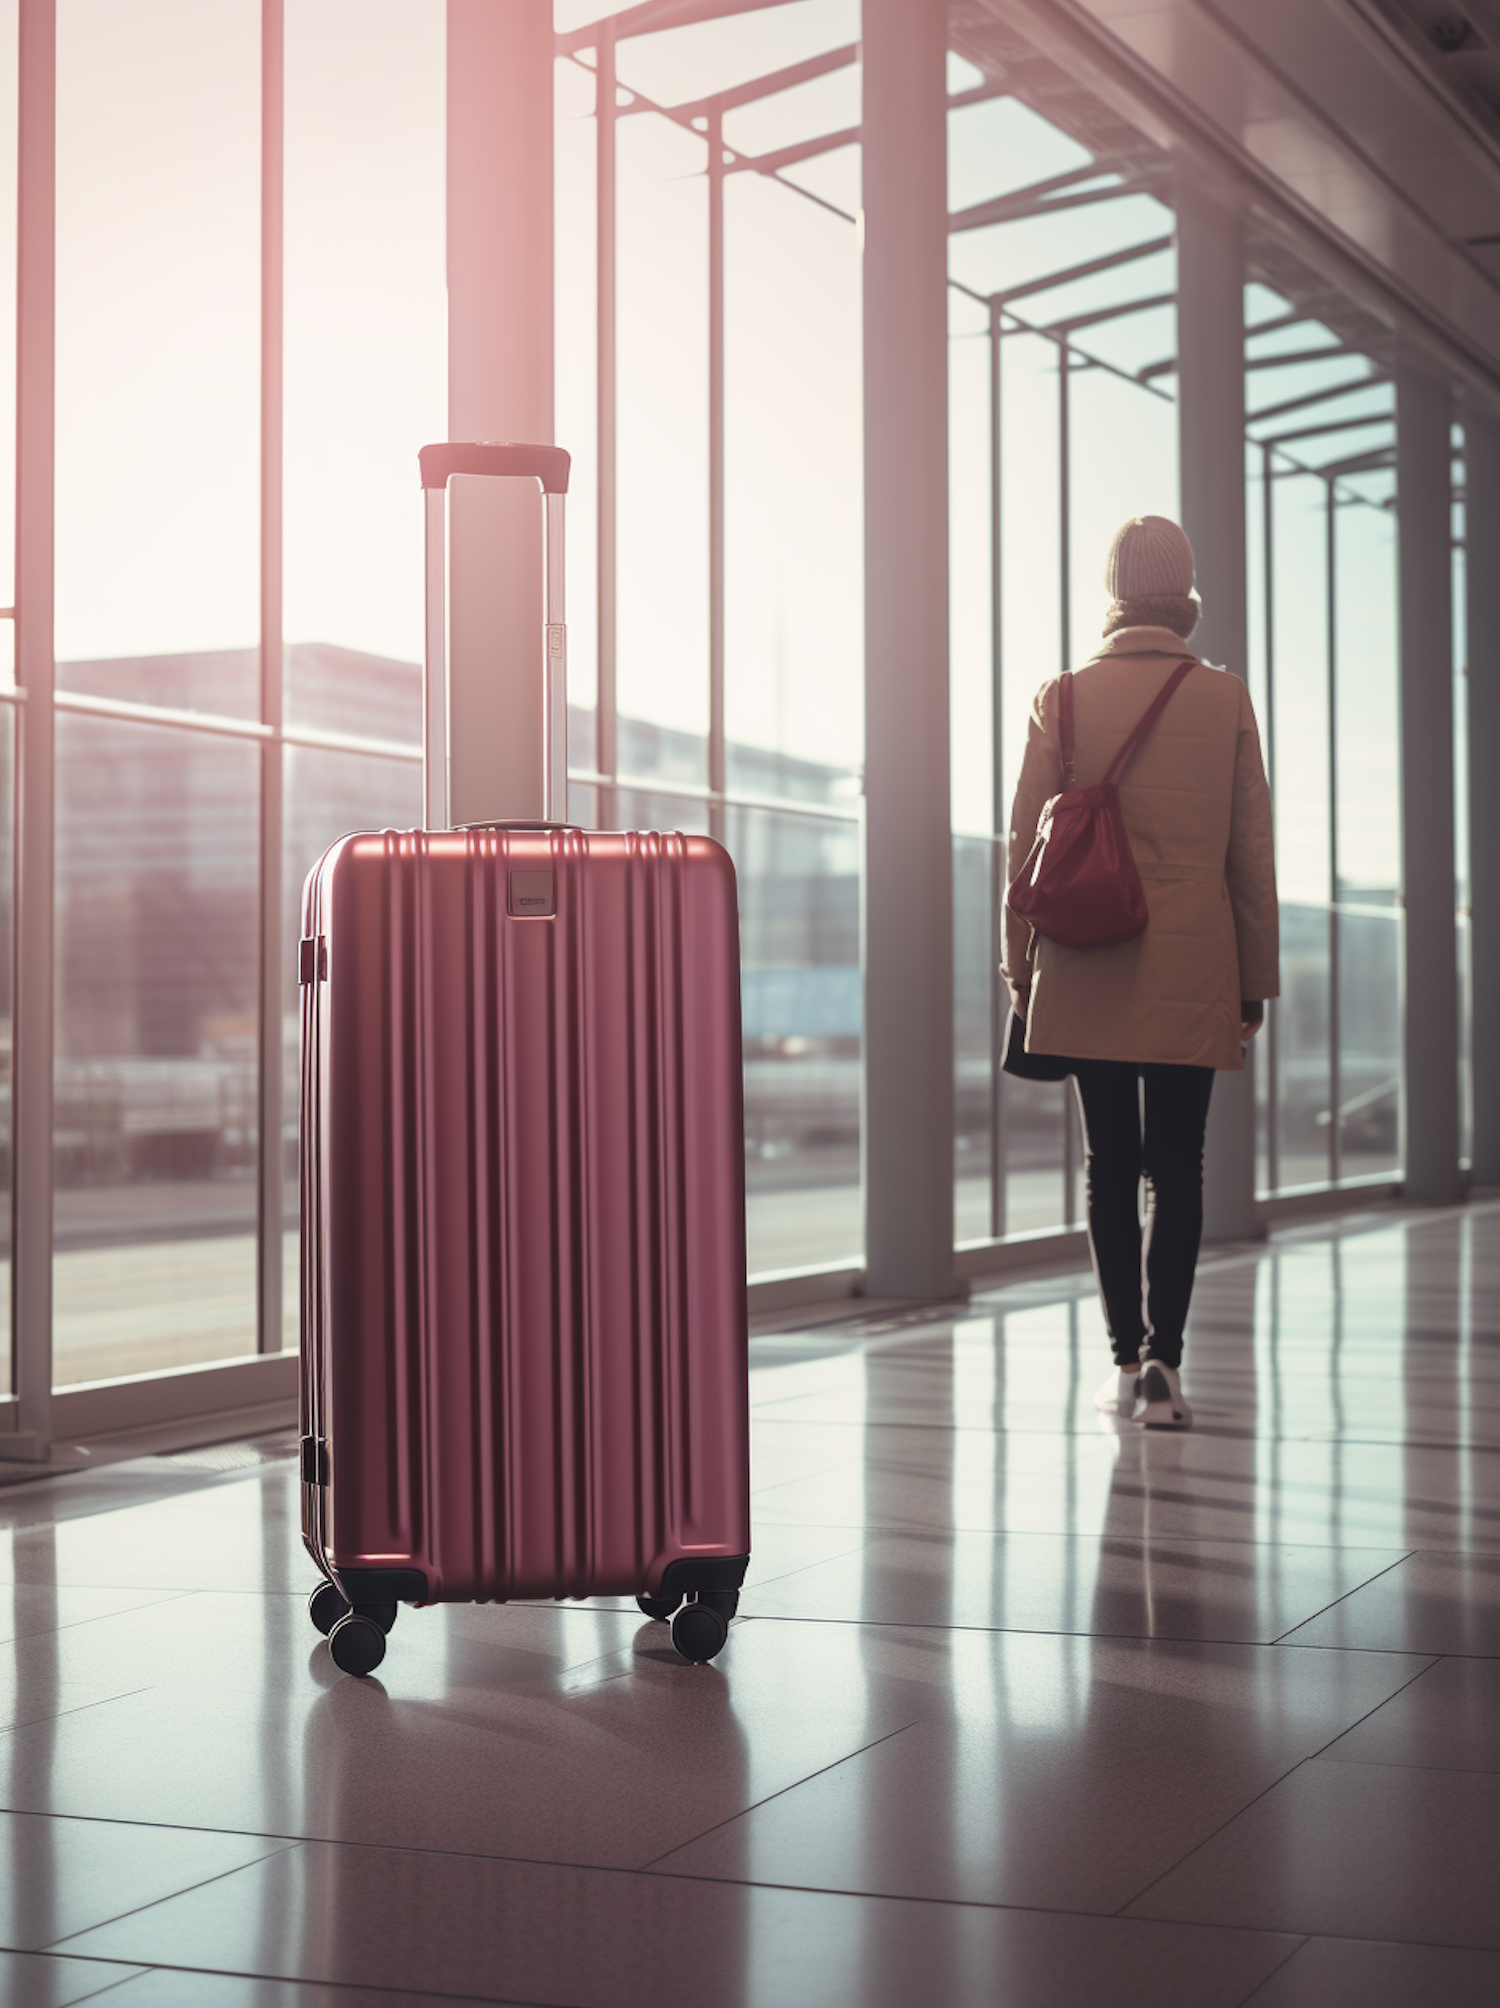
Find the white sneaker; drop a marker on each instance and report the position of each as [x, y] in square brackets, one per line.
[1159, 1403]
[1117, 1396]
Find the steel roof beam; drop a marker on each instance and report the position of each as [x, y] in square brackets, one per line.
[1087, 270]
[1012, 208]
[1101, 314]
[1312, 397]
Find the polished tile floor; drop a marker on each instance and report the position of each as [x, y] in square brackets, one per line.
[1020, 1709]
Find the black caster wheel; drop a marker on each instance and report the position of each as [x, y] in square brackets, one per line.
[383, 1615]
[357, 1644]
[699, 1632]
[660, 1608]
[326, 1606]
[725, 1602]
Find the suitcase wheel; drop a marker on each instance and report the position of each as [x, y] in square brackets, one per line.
[700, 1629]
[383, 1615]
[357, 1643]
[660, 1608]
[326, 1606]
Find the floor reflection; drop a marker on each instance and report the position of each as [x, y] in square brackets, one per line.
[1020, 1698]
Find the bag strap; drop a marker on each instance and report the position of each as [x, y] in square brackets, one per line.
[1153, 711]
[1065, 724]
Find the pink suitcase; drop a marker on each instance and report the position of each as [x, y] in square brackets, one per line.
[524, 1368]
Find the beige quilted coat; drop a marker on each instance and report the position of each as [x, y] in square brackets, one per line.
[1199, 816]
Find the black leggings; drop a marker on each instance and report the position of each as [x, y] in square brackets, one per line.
[1144, 1324]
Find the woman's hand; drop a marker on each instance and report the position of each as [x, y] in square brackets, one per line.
[1252, 1017]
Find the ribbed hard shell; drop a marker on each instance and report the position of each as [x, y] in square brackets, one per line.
[523, 1316]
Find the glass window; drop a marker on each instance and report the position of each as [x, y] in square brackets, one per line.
[9, 136]
[365, 357]
[794, 500]
[977, 883]
[158, 351]
[576, 388]
[661, 587]
[1324, 672]
[799, 935]
[7, 937]
[155, 1128]
[326, 796]
[1085, 435]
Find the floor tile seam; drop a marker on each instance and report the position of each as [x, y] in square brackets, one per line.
[802, 1478]
[1266, 1978]
[137, 1972]
[155, 1600]
[764, 1582]
[1421, 1673]
[1400, 1562]
[1383, 1443]
[162, 1592]
[1337, 1937]
[110, 1986]
[59, 1945]
[650, 1867]
[82, 1708]
[949, 1902]
[913, 1531]
[292, 1842]
[1427, 1770]
[1206, 1839]
[145, 1967]
[1084, 1433]
[1290, 1644]
[172, 1489]
[1054, 1631]
[947, 1427]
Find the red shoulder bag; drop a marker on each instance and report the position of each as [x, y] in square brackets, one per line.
[1080, 885]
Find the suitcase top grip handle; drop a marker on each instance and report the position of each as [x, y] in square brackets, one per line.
[549, 464]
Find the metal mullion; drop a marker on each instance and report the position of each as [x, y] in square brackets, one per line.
[1309, 398]
[1015, 208]
[696, 791]
[1071, 323]
[606, 737]
[32, 963]
[1335, 1067]
[1334, 425]
[999, 811]
[717, 760]
[270, 1176]
[771, 164]
[770, 84]
[348, 742]
[127, 711]
[1273, 1017]
[1065, 631]
[1106, 262]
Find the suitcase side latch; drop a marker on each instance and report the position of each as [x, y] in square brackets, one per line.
[314, 1460]
[312, 959]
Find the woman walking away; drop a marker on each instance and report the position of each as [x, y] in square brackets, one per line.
[1148, 1019]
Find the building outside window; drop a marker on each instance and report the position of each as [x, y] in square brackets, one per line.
[247, 359]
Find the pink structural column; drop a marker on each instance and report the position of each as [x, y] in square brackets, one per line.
[1482, 576]
[500, 61]
[908, 941]
[31, 1298]
[1211, 460]
[272, 1324]
[1424, 491]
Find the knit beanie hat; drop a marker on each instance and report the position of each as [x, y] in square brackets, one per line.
[1150, 559]
[1149, 577]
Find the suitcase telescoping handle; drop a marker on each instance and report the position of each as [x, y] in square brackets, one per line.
[548, 465]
